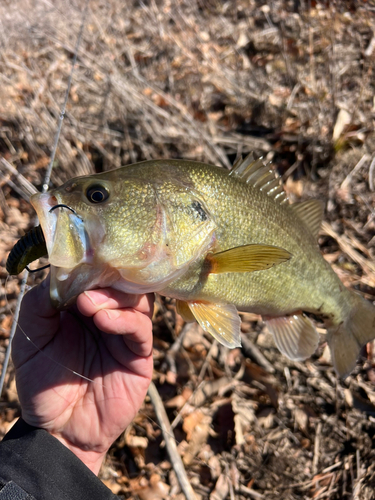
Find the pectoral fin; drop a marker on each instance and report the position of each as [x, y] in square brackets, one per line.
[221, 321]
[247, 258]
[295, 336]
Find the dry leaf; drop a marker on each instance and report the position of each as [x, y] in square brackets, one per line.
[112, 485]
[197, 428]
[215, 467]
[179, 400]
[244, 416]
[136, 441]
[209, 389]
[343, 119]
[156, 489]
[302, 419]
[221, 488]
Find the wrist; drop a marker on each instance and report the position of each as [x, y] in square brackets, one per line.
[92, 459]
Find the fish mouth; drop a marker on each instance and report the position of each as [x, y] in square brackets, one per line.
[67, 241]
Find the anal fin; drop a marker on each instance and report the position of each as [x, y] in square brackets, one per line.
[221, 321]
[295, 335]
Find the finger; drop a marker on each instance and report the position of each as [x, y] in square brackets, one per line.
[89, 303]
[133, 325]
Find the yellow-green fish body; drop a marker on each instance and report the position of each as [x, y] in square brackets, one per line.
[208, 238]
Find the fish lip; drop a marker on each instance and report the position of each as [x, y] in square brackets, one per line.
[45, 205]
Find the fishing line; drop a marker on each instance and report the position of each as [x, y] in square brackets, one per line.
[45, 188]
[12, 331]
[27, 271]
[57, 362]
[62, 114]
[87, 379]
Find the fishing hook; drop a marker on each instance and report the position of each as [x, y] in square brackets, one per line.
[39, 268]
[62, 205]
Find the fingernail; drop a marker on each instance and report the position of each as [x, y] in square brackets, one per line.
[96, 298]
[112, 314]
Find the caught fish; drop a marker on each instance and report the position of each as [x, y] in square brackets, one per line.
[214, 240]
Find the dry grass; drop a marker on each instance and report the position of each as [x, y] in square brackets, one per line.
[206, 80]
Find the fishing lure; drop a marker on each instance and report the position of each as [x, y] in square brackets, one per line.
[30, 247]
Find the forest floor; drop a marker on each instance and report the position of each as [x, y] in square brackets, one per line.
[292, 81]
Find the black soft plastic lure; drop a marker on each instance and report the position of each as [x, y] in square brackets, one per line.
[30, 247]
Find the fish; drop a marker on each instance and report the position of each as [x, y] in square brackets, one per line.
[217, 241]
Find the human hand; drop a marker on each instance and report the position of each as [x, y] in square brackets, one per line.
[106, 339]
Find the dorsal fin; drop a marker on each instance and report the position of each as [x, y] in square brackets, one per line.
[259, 174]
[311, 213]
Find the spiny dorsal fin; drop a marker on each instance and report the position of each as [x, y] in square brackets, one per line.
[311, 213]
[259, 174]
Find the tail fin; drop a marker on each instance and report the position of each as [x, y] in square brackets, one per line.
[347, 339]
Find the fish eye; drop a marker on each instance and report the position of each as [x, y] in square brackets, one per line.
[97, 194]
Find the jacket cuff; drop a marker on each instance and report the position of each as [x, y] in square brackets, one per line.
[41, 465]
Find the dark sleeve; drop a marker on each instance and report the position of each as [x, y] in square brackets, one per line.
[35, 465]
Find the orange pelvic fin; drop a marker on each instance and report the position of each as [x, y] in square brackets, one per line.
[184, 311]
[221, 321]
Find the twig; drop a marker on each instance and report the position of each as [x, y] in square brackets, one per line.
[359, 479]
[316, 448]
[250, 492]
[331, 467]
[26, 189]
[370, 47]
[371, 174]
[170, 442]
[3, 203]
[170, 355]
[178, 417]
[207, 361]
[254, 353]
[345, 183]
[293, 94]
[347, 248]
